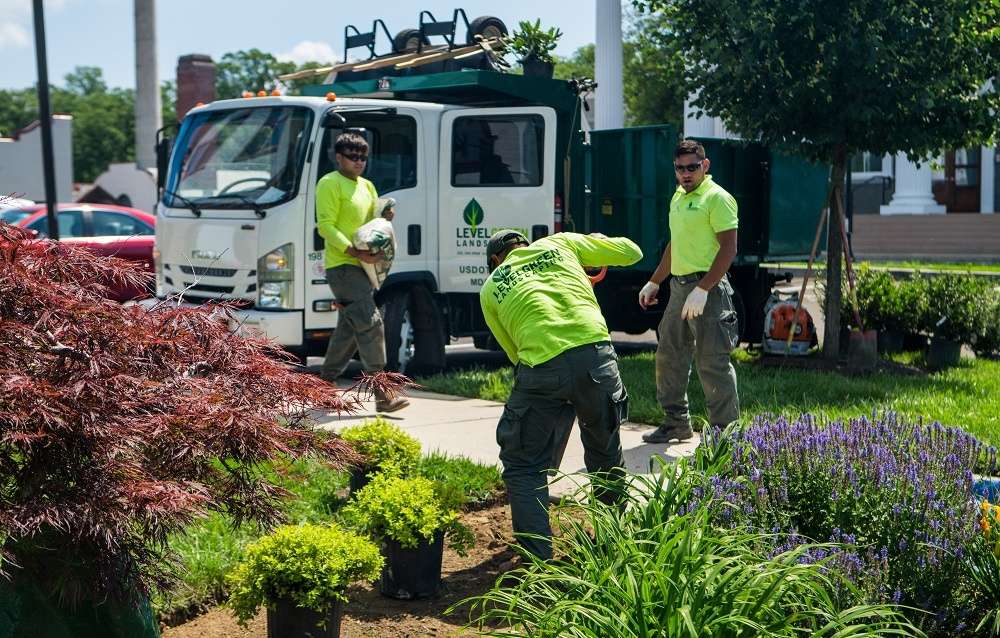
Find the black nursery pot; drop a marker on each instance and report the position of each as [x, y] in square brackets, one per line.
[534, 67]
[943, 353]
[285, 620]
[890, 341]
[412, 572]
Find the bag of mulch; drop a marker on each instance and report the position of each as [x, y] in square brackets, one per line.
[376, 236]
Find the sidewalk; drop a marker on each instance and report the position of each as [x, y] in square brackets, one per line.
[467, 427]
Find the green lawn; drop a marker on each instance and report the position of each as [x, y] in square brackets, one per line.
[923, 266]
[967, 396]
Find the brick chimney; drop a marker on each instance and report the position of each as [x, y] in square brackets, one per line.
[195, 82]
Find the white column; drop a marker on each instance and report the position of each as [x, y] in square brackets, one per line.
[913, 190]
[609, 95]
[147, 85]
[987, 179]
[694, 126]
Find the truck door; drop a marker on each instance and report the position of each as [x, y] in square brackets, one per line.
[497, 170]
[393, 168]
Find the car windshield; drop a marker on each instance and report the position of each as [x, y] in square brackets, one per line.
[229, 157]
[14, 215]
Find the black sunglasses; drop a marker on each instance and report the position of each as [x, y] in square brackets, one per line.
[691, 168]
[355, 157]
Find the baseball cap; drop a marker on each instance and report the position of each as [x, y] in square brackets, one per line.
[501, 240]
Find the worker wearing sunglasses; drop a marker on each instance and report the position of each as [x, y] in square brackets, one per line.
[699, 322]
[345, 201]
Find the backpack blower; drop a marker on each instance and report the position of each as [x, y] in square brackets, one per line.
[779, 312]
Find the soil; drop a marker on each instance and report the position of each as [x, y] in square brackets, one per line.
[370, 615]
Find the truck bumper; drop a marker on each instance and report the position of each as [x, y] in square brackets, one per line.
[285, 327]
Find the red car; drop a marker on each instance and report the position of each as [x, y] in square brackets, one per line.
[105, 229]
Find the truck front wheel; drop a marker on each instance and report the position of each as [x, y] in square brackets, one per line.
[414, 341]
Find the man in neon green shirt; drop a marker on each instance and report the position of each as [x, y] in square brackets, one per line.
[539, 303]
[345, 201]
[700, 320]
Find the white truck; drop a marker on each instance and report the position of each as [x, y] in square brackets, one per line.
[236, 219]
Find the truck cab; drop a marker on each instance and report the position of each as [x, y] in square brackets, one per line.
[237, 218]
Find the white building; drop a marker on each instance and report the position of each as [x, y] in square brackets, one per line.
[21, 169]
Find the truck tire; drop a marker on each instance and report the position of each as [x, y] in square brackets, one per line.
[486, 26]
[414, 338]
[407, 40]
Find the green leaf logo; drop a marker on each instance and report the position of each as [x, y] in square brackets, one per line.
[473, 213]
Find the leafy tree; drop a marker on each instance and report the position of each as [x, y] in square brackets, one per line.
[294, 87]
[86, 80]
[578, 65]
[654, 82]
[248, 71]
[168, 102]
[830, 79]
[18, 108]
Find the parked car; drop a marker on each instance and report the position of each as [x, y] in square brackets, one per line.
[115, 231]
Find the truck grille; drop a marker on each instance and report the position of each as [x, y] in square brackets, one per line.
[207, 272]
[222, 290]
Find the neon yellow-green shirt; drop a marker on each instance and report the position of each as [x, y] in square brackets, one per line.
[539, 302]
[342, 207]
[695, 218]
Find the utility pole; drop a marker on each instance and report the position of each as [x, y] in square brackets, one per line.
[45, 118]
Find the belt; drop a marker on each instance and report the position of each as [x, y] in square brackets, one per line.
[690, 278]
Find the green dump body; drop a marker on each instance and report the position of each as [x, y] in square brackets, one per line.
[628, 180]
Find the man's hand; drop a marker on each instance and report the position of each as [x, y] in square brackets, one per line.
[647, 296]
[694, 305]
[364, 255]
[389, 213]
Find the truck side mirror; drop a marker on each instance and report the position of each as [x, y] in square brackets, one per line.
[163, 147]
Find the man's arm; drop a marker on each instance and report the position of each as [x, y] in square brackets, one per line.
[598, 250]
[647, 296]
[723, 259]
[493, 321]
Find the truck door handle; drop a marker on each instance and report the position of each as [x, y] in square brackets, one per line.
[538, 231]
[413, 239]
[318, 242]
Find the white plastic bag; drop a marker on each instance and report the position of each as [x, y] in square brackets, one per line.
[374, 236]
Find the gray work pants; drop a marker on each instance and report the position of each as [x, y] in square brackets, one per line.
[584, 383]
[359, 325]
[708, 339]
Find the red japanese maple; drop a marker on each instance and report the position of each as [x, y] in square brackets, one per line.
[120, 424]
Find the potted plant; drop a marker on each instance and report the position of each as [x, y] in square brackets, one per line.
[954, 314]
[407, 517]
[115, 420]
[301, 573]
[533, 46]
[383, 447]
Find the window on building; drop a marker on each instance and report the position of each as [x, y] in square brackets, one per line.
[498, 150]
[866, 163]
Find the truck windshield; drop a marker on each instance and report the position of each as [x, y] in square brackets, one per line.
[224, 158]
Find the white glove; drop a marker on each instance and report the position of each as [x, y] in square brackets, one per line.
[694, 305]
[647, 296]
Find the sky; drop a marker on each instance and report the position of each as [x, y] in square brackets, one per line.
[101, 32]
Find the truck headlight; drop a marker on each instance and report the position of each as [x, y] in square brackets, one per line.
[276, 278]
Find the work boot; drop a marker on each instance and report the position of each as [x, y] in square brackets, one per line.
[667, 433]
[386, 403]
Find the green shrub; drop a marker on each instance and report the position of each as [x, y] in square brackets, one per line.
[406, 510]
[385, 446]
[983, 566]
[308, 565]
[461, 482]
[987, 341]
[960, 300]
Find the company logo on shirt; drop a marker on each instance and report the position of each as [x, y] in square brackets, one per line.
[506, 277]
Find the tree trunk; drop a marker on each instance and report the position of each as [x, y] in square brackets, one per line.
[834, 253]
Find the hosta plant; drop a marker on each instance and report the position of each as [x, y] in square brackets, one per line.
[121, 424]
[309, 566]
[383, 446]
[406, 510]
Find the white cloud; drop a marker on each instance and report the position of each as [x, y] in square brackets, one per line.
[13, 35]
[309, 51]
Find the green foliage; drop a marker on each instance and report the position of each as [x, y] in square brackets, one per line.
[406, 510]
[531, 42]
[983, 566]
[987, 342]
[251, 70]
[384, 445]
[654, 83]
[308, 565]
[578, 65]
[820, 78]
[461, 482]
[660, 568]
[960, 300]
